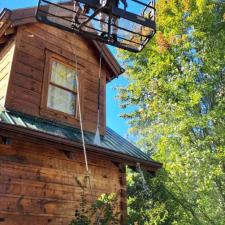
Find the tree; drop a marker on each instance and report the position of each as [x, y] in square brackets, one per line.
[102, 211]
[177, 85]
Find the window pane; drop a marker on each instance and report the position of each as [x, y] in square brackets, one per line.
[63, 76]
[61, 100]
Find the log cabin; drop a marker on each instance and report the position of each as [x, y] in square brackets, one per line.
[41, 151]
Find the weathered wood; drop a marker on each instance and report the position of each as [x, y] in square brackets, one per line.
[37, 190]
[29, 59]
[3, 40]
[23, 21]
[27, 83]
[52, 39]
[52, 176]
[33, 44]
[40, 182]
[25, 107]
[10, 31]
[25, 46]
[29, 155]
[26, 95]
[20, 14]
[45, 39]
[71, 39]
[28, 70]
[10, 218]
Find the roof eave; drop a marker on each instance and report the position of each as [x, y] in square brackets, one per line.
[117, 70]
[14, 130]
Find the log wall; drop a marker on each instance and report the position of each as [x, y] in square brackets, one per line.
[38, 183]
[26, 82]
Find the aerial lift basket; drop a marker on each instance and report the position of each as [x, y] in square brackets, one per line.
[124, 27]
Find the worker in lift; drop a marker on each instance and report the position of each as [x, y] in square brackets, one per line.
[103, 17]
[79, 11]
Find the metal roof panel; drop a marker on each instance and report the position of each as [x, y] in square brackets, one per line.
[111, 141]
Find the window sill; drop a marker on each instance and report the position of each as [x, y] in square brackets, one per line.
[59, 116]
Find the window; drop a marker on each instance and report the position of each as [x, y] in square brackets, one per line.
[59, 95]
[62, 88]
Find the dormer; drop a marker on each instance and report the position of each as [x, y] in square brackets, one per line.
[40, 68]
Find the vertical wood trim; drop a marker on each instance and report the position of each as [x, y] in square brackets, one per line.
[123, 194]
[44, 93]
[80, 78]
[11, 69]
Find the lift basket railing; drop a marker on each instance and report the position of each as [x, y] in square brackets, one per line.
[128, 27]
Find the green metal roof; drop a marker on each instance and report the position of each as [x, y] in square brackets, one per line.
[111, 140]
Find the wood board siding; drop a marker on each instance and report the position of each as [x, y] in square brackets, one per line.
[38, 183]
[26, 83]
[6, 58]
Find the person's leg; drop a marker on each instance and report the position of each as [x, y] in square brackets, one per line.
[77, 7]
[115, 22]
[77, 11]
[103, 24]
[86, 9]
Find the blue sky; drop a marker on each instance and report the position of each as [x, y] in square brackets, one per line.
[113, 110]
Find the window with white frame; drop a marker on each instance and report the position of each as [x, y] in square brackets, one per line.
[62, 87]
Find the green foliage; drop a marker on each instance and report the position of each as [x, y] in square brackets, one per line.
[101, 212]
[105, 207]
[177, 87]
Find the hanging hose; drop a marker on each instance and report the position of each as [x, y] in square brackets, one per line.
[97, 140]
[144, 184]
